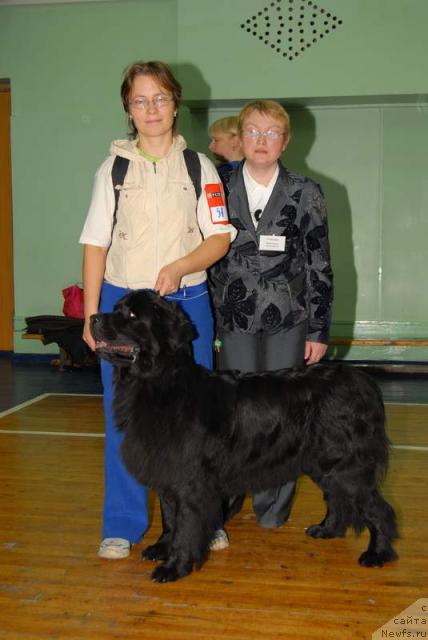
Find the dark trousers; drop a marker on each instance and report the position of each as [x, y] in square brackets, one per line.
[256, 353]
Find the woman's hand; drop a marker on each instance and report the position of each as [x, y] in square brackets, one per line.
[169, 278]
[209, 251]
[94, 264]
[87, 336]
[314, 351]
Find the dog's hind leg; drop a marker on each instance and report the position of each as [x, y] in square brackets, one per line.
[161, 549]
[380, 519]
[232, 506]
[197, 511]
[338, 517]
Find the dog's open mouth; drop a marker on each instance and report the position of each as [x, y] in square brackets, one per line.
[118, 350]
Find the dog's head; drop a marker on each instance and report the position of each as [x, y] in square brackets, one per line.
[144, 331]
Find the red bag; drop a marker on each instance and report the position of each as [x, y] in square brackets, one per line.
[73, 302]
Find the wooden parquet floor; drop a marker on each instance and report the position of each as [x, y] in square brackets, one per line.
[269, 584]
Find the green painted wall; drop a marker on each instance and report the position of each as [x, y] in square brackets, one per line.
[359, 108]
[358, 99]
[65, 63]
[379, 49]
[371, 161]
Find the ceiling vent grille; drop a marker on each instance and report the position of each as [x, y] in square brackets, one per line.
[290, 27]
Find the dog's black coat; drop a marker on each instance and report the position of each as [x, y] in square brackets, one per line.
[196, 436]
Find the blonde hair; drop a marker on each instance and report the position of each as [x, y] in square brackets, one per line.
[266, 107]
[228, 125]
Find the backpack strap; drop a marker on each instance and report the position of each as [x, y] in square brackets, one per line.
[118, 173]
[194, 169]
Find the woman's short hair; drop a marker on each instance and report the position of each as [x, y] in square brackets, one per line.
[225, 126]
[266, 107]
[160, 72]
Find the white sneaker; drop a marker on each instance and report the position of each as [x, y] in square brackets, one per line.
[114, 548]
[219, 540]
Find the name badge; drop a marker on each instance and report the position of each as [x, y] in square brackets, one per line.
[272, 243]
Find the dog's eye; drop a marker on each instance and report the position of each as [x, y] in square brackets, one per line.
[132, 315]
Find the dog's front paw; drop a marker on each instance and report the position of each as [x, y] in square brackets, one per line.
[376, 558]
[158, 551]
[168, 573]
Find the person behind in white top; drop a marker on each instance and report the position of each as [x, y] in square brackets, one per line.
[164, 238]
[225, 145]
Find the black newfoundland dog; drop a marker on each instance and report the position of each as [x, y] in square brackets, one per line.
[198, 437]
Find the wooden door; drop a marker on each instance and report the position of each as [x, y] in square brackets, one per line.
[6, 242]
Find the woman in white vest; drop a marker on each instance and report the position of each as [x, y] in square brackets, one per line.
[161, 237]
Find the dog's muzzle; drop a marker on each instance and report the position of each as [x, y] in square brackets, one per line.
[120, 352]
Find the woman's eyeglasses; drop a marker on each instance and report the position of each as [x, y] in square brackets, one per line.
[144, 104]
[270, 134]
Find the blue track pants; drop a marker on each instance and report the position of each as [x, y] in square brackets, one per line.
[125, 500]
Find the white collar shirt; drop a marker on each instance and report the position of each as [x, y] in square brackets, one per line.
[257, 194]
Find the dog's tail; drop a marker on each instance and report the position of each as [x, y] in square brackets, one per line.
[380, 443]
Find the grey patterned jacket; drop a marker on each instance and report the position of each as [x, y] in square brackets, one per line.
[270, 291]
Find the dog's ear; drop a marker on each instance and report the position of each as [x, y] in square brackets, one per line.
[183, 335]
[186, 331]
[173, 326]
[178, 328]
